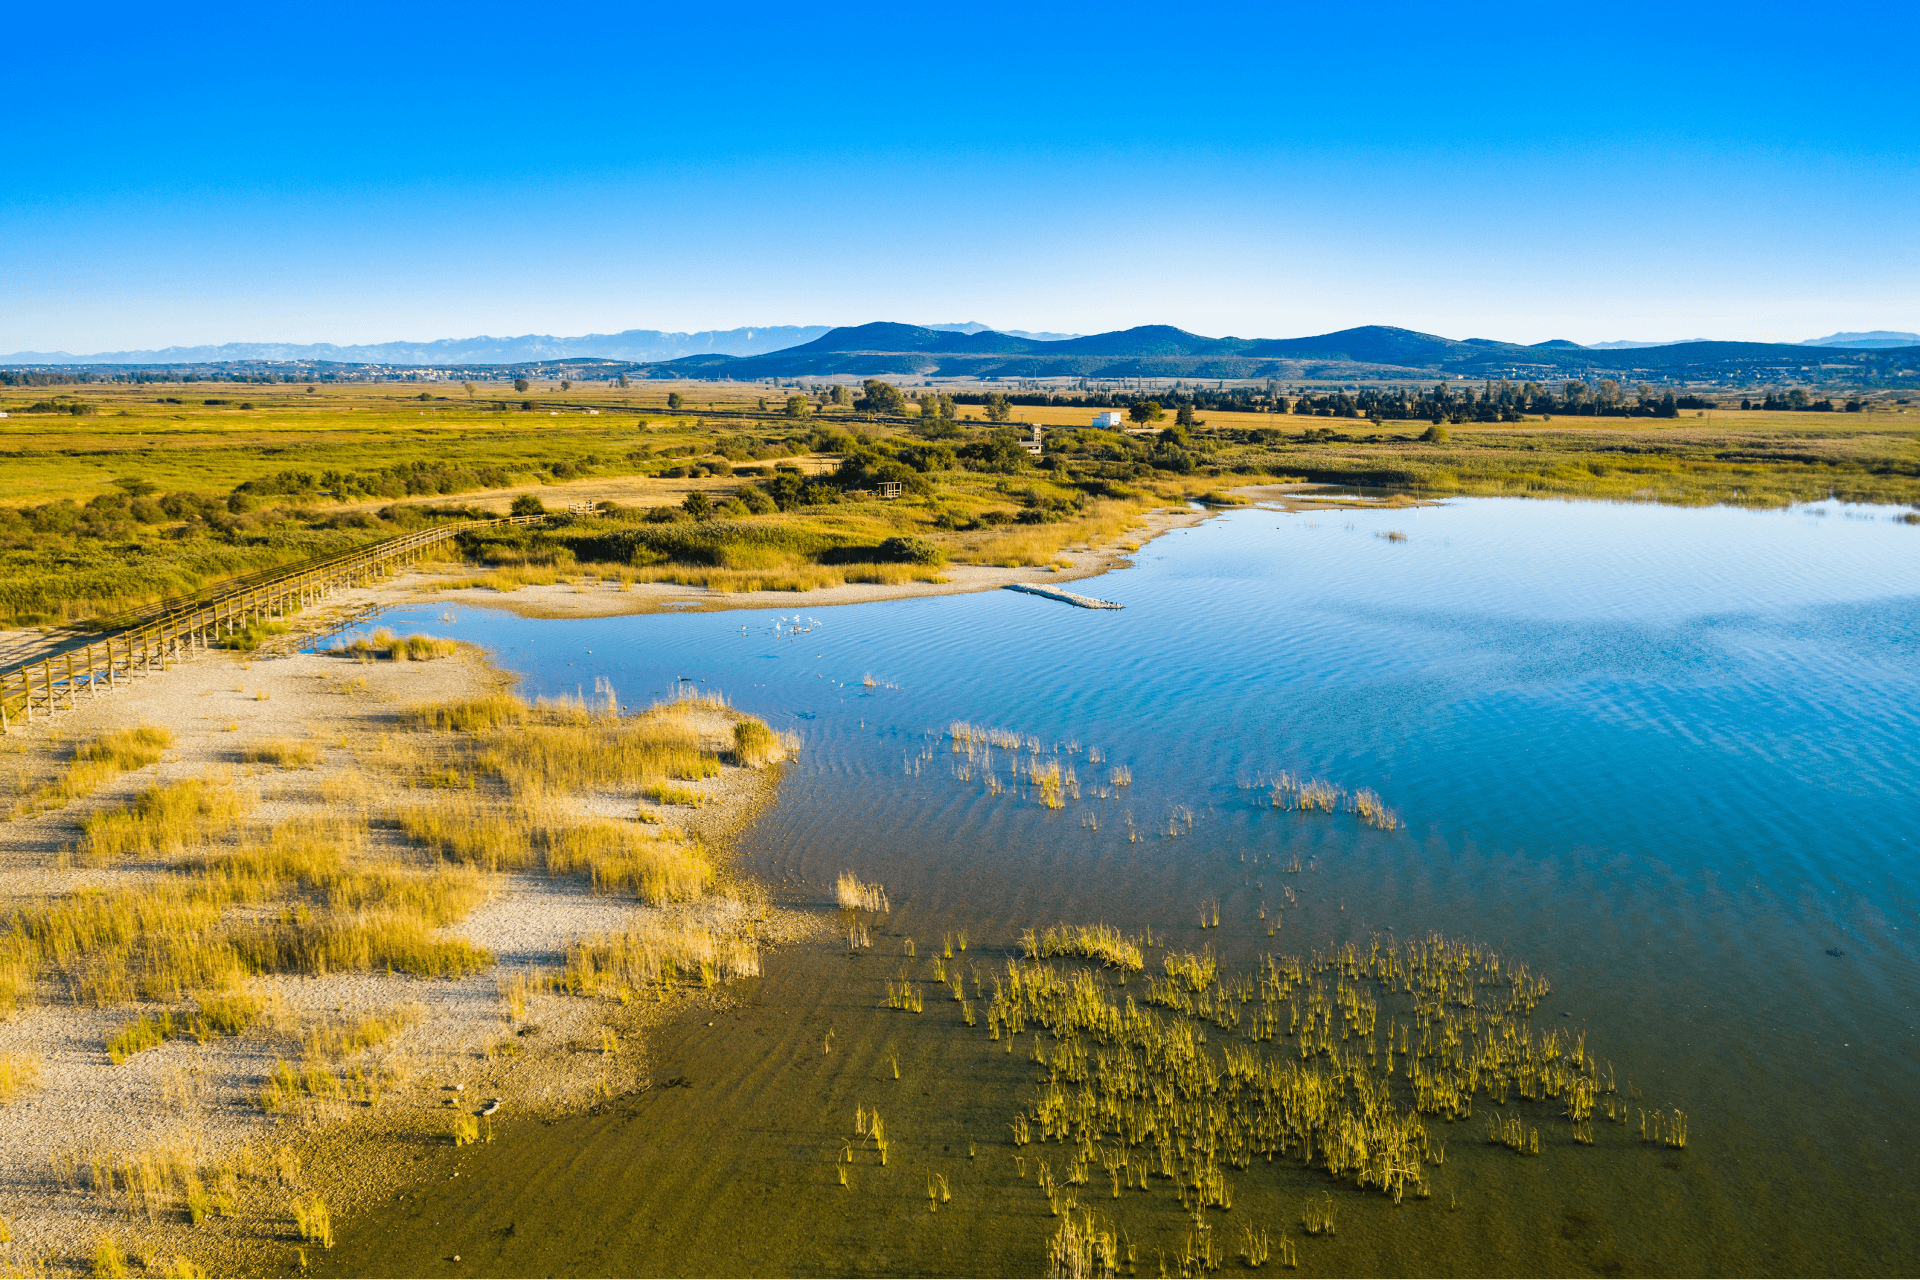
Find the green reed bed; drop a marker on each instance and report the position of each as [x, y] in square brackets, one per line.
[1338, 1062]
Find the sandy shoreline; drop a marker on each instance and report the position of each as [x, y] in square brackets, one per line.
[199, 1103]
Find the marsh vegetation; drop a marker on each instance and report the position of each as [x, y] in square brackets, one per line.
[757, 501]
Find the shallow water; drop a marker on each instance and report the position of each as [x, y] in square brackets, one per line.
[1667, 757]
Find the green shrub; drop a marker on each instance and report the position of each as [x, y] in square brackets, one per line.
[910, 549]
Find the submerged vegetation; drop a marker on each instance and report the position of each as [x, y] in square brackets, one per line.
[1337, 1062]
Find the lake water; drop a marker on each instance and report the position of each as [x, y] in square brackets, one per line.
[1669, 758]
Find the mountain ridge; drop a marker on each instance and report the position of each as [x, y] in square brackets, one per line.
[644, 345]
[884, 348]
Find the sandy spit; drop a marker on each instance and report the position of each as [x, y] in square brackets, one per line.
[201, 1100]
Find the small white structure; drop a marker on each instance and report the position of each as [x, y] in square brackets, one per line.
[1033, 446]
[1111, 418]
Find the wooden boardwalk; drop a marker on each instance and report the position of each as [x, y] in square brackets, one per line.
[151, 639]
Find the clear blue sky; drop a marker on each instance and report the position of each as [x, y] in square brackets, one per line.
[357, 173]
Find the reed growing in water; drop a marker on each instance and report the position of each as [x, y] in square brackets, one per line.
[852, 895]
[1100, 942]
[386, 645]
[1303, 1065]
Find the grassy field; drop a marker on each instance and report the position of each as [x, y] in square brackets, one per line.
[149, 491]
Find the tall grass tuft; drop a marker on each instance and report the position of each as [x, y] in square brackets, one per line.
[19, 1073]
[619, 857]
[1100, 942]
[145, 1033]
[98, 763]
[336, 1041]
[851, 894]
[384, 644]
[473, 716]
[313, 1221]
[164, 820]
[461, 827]
[656, 746]
[285, 752]
[755, 745]
[656, 956]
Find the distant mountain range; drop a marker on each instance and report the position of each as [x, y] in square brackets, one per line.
[1161, 351]
[974, 326]
[639, 345]
[1631, 344]
[1871, 339]
[973, 350]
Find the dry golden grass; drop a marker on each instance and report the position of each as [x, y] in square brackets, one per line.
[755, 745]
[285, 752]
[19, 1073]
[1039, 544]
[384, 644]
[98, 763]
[1100, 942]
[620, 856]
[470, 716]
[165, 820]
[462, 827]
[339, 1039]
[855, 896]
[590, 752]
[625, 963]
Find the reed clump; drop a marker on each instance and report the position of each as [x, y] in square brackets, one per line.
[658, 746]
[164, 820]
[284, 752]
[466, 828]
[470, 716]
[313, 1221]
[853, 895]
[1084, 1248]
[1338, 1060]
[755, 745]
[385, 645]
[19, 1073]
[1310, 795]
[336, 1040]
[98, 763]
[1100, 942]
[657, 957]
[144, 1033]
[621, 857]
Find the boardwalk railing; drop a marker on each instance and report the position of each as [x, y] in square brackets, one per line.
[177, 629]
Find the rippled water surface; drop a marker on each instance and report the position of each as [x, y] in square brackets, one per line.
[1667, 757]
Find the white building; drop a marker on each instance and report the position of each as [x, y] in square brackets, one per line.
[1109, 419]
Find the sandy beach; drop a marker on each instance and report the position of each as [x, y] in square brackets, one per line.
[458, 1047]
